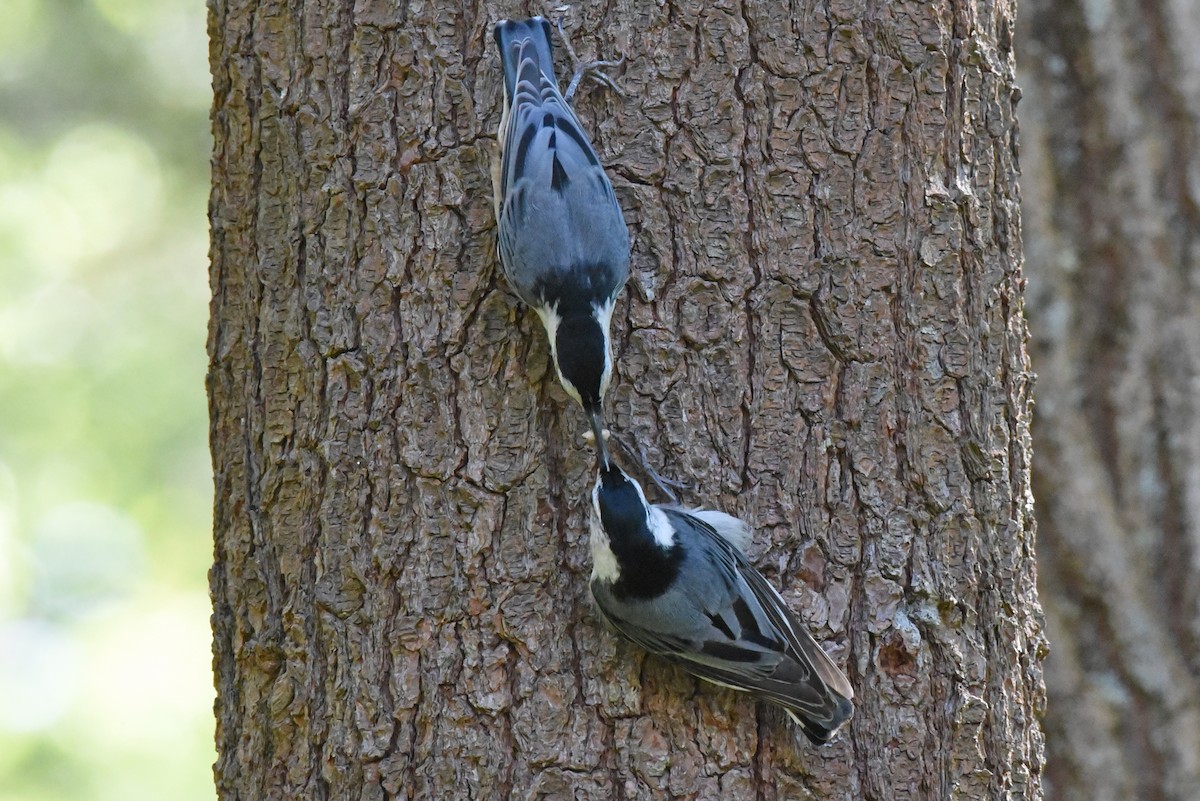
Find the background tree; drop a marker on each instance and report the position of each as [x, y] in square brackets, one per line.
[823, 333]
[1110, 141]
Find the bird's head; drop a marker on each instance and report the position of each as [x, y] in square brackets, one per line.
[634, 545]
[581, 356]
[619, 503]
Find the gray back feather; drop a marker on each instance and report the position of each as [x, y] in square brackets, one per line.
[726, 624]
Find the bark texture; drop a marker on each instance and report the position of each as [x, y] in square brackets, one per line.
[823, 333]
[1111, 137]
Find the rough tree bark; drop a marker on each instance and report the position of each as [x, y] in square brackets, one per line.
[1112, 189]
[823, 333]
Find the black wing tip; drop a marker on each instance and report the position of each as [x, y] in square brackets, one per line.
[822, 731]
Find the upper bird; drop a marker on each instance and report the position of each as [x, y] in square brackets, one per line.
[675, 581]
[562, 238]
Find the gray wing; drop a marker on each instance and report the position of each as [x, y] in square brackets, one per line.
[726, 624]
[559, 215]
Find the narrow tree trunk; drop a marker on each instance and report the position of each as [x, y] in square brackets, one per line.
[1113, 204]
[823, 333]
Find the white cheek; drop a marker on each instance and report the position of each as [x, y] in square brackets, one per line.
[603, 315]
[656, 520]
[567, 385]
[606, 376]
[660, 527]
[551, 321]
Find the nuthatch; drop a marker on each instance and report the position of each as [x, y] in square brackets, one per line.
[562, 239]
[676, 583]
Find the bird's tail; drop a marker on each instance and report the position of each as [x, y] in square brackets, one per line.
[524, 44]
[821, 731]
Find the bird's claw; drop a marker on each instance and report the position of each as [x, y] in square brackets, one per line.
[663, 483]
[592, 69]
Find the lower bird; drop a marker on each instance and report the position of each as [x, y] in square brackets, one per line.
[676, 582]
[561, 235]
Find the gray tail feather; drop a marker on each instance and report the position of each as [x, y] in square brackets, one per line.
[509, 36]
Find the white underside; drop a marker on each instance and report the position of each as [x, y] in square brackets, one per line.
[604, 561]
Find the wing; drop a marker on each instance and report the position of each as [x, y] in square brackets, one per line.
[801, 644]
[737, 632]
[656, 642]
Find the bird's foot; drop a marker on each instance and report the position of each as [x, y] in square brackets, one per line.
[589, 69]
[663, 483]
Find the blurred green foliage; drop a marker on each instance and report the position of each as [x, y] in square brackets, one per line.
[105, 485]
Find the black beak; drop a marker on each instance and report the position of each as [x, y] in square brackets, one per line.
[601, 446]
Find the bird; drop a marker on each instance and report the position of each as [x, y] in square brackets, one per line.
[561, 236]
[677, 583]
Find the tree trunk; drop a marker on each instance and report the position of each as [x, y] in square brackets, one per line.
[822, 333]
[1113, 209]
